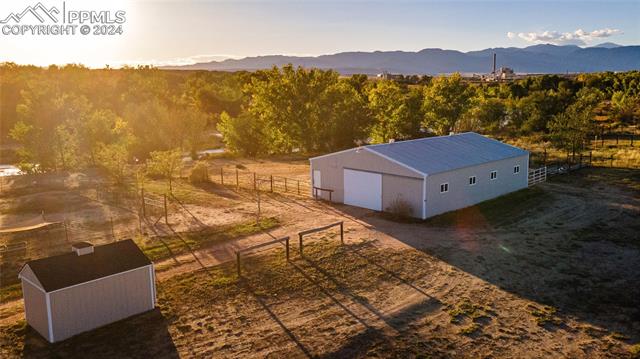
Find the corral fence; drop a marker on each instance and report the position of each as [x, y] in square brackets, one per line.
[537, 175]
[286, 241]
[243, 179]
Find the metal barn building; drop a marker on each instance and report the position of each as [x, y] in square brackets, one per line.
[433, 175]
[87, 288]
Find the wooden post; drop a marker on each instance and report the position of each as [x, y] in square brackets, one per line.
[271, 179]
[611, 161]
[255, 181]
[590, 154]
[166, 217]
[617, 138]
[237, 181]
[580, 159]
[300, 249]
[144, 205]
[66, 232]
[285, 184]
[287, 249]
[298, 186]
[238, 264]
[342, 232]
[113, 233]
[632, 140]
[222, 175]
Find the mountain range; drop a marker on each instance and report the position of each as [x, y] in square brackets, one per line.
[543, 58]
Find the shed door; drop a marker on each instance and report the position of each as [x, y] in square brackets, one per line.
[363, 189]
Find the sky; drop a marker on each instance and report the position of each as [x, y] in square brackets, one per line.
[183, 32]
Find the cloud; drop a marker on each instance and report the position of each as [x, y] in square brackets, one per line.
[578, 37]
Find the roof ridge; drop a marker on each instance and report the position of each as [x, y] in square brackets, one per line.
[422, 139]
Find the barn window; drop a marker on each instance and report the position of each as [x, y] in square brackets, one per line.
[494, 175]
[444, 188]
[516, 169]
[472, 180]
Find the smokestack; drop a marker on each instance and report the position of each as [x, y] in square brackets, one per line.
[494, 63]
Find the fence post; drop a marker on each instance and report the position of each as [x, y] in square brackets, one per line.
[632, 140]
[113, 233]
[342, 232]
[255, 180]
[590, 154]
[285, 184]
[611, 161]
[300, 237]
[222, 175]
[237, 181]
[66, 232]
[144, 205]
[166, 217]
[580, 160]
[287, 249]
[271, 179]
[298, 186]
[617, 138]
[238, 264]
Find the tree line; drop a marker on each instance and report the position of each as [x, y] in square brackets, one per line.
[69, 117]
[314, 111]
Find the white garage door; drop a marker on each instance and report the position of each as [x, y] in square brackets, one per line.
[363, 189]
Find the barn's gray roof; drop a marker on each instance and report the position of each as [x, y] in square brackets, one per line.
[445, 153]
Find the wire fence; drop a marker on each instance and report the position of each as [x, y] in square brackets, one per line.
[236, 178]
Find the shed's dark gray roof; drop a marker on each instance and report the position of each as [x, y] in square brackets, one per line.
[68, 269]
[445, 153]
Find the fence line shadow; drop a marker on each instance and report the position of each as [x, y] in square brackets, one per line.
[275, 318]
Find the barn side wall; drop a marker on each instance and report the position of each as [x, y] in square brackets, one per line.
[35, 304]
[91, 305]
[331, 170]
[406, 189]
[461, 194]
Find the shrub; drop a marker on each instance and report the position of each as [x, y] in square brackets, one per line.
[199, 173]
[400, 209]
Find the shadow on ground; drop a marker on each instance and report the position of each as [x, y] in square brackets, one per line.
[142, 336]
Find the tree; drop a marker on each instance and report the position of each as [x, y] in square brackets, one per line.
[113, 158]
[165, 164]
[244, 134]
[491, 113]
[446, 100]
[570, 128]
[396, 113]
[625, 105]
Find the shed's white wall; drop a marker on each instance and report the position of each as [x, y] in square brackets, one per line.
[93, 304]
[35, 307]
[461, 194]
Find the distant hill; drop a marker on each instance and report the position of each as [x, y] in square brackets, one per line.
[608, 45]
[533, 59]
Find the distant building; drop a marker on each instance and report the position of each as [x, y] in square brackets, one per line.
[505, 73]
[387, 76]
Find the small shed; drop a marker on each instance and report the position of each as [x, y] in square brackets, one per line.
[87, 288]
[430, 175]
